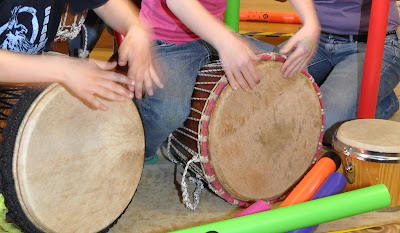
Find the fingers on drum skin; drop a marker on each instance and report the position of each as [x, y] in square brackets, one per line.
[113, 92]
[94, 102]
[249, 78]
[231, 80]
[240, 80]
[117, 77]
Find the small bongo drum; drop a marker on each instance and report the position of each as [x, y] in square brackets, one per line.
[254, 145]
[370, 152]
[63, 166]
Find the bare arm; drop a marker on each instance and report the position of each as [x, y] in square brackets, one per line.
[305, 41]
[236, 57]
[122, 16]
[86, 80]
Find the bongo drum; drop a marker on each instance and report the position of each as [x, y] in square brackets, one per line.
[255, 145]
[65, 167]
[370, 152]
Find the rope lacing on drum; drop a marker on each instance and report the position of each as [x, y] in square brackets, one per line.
[84, 53]
[197, 179]
[63, 33]
[187, 135]
[8, 95]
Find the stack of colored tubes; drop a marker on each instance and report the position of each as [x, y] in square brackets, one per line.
[313, 201]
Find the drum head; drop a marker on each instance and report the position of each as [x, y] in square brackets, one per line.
[76, 169]
[371, 135]
[262, 142]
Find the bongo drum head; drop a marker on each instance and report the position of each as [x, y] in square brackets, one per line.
[371, 135]
[262, 142]
[76, 169]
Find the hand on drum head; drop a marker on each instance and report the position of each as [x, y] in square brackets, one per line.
[89, 79]
[304, 43]
[238, 61]
[138, 57]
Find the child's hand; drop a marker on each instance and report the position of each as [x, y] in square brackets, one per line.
[238, 62]
[90, 80]
[304, 43]
[135, 51]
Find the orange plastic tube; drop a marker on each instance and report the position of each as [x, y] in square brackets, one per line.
[271, 17]
[313, 180]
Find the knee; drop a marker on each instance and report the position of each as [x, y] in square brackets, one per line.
[167, 117]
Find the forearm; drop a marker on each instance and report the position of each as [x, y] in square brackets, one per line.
[120, 15]
[208, 28]
[22, 68]
[306, 11]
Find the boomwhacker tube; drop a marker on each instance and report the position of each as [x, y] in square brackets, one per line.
[232, 15]
[333, 185]
[313, 180]
[303, 215]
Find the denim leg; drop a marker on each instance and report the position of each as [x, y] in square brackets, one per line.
[388, 103]
[340, 92]
[320, 65]
[169, 107]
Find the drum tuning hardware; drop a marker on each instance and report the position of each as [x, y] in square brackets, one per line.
[350, 168]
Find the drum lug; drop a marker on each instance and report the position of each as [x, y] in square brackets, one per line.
[350, 168]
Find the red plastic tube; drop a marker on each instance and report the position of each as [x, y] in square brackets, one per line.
[271, 17]
[118, 38]
[373, 59]
[313, 180]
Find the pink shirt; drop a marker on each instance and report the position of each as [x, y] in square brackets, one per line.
[167, 27]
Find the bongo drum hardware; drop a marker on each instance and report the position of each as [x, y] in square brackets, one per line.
[233, 144]
[370, 151]
[49, 144]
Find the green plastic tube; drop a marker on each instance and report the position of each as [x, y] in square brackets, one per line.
[303, 215]
[232, 15]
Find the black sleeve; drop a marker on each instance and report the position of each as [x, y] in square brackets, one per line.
[78, 6]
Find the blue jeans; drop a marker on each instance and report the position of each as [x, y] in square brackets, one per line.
[177, 65]
[337, 68]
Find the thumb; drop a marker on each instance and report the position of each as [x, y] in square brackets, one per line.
[288, 46]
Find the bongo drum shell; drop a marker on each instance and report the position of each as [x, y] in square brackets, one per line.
[67, 168]
[370, 152]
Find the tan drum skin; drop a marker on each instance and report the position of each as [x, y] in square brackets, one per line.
[259, 143]
[76, 169]
[370, 152]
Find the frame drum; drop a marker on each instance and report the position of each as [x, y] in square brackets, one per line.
[252, 145]
[65, 167]
[370, 152]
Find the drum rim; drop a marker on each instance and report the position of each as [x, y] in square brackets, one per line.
[364, 155]
[26, 220]
[203, 132]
